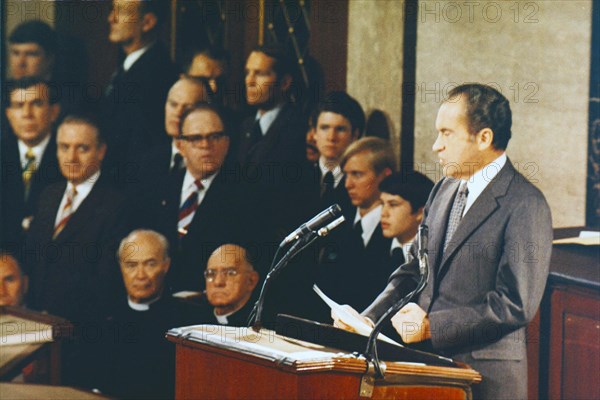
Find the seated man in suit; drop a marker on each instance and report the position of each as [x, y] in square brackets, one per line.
[132, 106]
[352, 268]
[140, 361]
[200, 207]
[230, 282]
[166, 159]
[13, 282]
[339, 120]
[29, 156]
[490, 241]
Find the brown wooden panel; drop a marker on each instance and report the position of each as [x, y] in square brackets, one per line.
[574, 344]
[533, 357]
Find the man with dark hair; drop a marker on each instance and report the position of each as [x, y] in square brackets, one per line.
[132, 108]
[32, 49]
[201, 206]
[490, 240]
[29, 156]
[338, 120]
[210, 63]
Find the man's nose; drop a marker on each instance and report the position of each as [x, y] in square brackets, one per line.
[220, 279]
[437, 145]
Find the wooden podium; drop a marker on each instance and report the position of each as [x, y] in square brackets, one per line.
[222, 362]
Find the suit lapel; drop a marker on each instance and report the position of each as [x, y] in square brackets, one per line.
[84, 213]
[485, 205]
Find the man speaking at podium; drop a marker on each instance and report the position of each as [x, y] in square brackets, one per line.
[490, 238]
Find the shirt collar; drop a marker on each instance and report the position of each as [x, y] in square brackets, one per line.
[222, 319]
[477, 183]
[141, 306]
[266, 120]
[134, 56]
[337, 172]
[404, 246]
[369, 222]
[38, 151]
[85, 187]
[174, 152]
[188, 181]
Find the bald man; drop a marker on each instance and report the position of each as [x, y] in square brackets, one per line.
[230, 282]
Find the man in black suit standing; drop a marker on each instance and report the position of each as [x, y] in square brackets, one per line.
[339, 120]
[202, 206]
[132, 108]
[350, 269]
[29, 156]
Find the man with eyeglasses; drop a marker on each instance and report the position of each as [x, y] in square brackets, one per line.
[200, 207]
[230, 282]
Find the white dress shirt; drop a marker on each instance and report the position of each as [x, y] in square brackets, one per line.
[369, 222]
[83, 190]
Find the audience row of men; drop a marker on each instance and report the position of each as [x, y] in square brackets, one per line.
[188, 196]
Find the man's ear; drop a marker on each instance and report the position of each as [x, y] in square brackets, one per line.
[419, 214]
[253, 279]
[149, 22]
[485, 137]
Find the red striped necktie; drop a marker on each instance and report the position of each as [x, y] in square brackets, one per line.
[66, 213]
[188, 209]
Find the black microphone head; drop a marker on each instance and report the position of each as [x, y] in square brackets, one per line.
[335, 210]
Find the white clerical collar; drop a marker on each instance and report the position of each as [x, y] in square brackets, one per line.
[134, 56]
[337, 172]
[477, 183]
[266, 120]
[141, 306]
[369, 222]
[222, 319]
[38, 151]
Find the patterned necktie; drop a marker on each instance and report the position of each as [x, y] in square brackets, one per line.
[66, 213]
[327, 186]
[456, 212]
[28, 171]
[188, 209]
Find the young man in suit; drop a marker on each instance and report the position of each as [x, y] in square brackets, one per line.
[13, 281]
[32, 49]
[29, 156]
[339, 120]
[132, 106]
[490, 240]
[351, 269]
[202, 206]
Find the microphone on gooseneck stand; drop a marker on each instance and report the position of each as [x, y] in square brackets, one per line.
[423, 259]
[323, 218]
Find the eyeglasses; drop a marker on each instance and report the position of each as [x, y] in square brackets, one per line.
[197, 139]
[228, 273]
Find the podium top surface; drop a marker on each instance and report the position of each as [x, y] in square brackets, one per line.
[300, 356]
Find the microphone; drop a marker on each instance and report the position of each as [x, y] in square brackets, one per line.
[423, 244]
[324, 231]
[315, 223]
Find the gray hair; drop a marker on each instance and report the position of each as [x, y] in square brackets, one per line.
[128, 240]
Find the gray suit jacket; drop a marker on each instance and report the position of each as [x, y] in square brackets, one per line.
[486, 287]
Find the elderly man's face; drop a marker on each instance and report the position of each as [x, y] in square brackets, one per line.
[144, 266]
[230, 279]
[13, 285]
[184, 94]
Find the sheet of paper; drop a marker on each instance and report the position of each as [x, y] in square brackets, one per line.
[358, 325]
[586, 238]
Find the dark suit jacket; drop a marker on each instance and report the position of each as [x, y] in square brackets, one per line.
[14, 206]
[133, 112]
[220, 218]
[76, 275]
[137, 362]
[486, 287]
